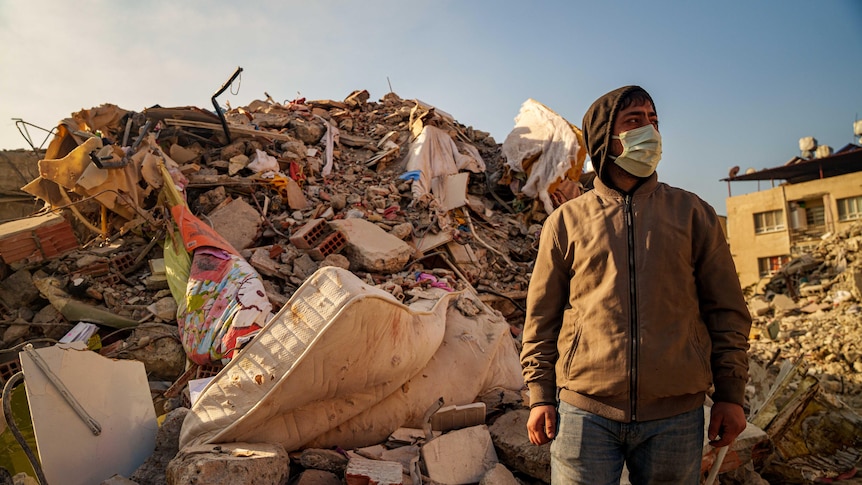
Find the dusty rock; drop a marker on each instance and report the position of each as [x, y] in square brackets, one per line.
[18, 289]
[327, 460]
[238, 222]
[15, 332]
[514, 449]
[229, 464]
[211, 199]
[318, 477]
[164, 308]
[158, 347]
[499, 475]
[337, 260]
[152, 471]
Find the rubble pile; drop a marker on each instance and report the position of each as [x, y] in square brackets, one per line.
[811, 312]
[367, 153]
[376, 188]
[395, 192]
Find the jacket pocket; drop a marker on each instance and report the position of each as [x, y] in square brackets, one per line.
[699, 338]
[570, 352]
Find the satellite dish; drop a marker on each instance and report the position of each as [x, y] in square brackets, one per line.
[857, 129]
[733, 171]
[750, 170]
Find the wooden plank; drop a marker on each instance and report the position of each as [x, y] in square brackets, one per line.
[234, 129]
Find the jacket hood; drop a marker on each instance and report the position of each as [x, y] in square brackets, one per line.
[598, 125]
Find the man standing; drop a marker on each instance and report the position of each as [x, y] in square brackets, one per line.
[634, 312]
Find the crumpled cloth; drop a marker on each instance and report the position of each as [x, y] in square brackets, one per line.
[225, 300]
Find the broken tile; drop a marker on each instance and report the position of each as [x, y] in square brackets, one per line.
[361, 471]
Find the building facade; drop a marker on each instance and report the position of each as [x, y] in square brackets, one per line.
[807, 199]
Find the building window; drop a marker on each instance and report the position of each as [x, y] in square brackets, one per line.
[770, 221]
[768, 266]
[816, 216]
[850, 209]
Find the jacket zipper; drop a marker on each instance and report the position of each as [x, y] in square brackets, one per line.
[633, 306]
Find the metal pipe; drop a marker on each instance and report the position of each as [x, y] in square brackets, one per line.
[218, 108]
[94, 425]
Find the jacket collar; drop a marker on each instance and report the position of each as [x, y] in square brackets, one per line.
[646, 188]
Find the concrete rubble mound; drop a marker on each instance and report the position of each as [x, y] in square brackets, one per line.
[323, 291]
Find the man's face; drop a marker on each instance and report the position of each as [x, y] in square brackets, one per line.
[628, 119]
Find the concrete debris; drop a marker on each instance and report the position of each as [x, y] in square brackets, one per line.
[514, 447]
[230, 463]
[461, 456]
[414, 204]
[361, 471]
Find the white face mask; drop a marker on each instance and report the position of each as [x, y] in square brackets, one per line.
[641, 150]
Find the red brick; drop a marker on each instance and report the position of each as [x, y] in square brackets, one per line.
[36, 239]
[308, 235]
[330, 244]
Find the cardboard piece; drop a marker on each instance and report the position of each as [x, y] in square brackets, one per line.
[451, 190]
[115, 393]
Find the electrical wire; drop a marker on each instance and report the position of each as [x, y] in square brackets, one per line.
[19, 437]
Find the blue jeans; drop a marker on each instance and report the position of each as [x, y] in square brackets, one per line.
[590, 449]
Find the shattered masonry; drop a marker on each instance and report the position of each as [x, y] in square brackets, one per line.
[395, 192]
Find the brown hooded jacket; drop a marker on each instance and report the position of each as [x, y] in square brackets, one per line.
[634, 309]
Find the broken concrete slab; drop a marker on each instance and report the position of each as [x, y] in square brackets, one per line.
[499, 475]
[229, 464]
[461, 456]
[509, 433]
[370, 248]
[237, 222]
[758, 306]
[783, 303]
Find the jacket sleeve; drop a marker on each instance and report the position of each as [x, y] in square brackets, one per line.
[547, 297]
[723, 309]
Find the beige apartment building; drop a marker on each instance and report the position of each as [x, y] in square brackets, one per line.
[806, 198]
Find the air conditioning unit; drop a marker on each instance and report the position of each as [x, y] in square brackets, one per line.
[798, 218]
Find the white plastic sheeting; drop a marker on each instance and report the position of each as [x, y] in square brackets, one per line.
[435, 154]
[545, 146]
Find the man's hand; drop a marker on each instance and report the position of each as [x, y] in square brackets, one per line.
[726, 421]
[542, 424]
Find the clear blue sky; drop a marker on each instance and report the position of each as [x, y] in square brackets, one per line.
[735, 82]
